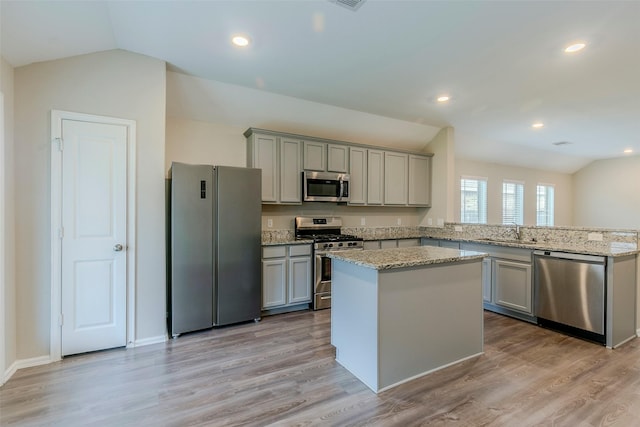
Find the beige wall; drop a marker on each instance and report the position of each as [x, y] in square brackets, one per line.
[197, 142]
[9, 296]
[606, 193]
[496, 173]
[442, 176]
[112, 83]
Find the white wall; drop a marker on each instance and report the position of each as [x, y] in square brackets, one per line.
[496, 173]
[606, 193]
[8, 312]
[112, 83]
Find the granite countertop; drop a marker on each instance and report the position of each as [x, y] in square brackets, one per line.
[386, 259]
[586, 248]
[277, 241]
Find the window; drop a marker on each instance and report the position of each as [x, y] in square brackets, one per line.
[544, 205]
[473, 200]
[512, 202]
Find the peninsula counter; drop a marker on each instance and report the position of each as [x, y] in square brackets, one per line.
[401, 313]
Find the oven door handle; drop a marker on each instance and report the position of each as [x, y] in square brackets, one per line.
[318, 271]
[341, 191]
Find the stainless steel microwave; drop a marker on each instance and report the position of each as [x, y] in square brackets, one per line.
[325, 187]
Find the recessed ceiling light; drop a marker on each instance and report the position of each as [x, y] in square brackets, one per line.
[240, 41]
[574, 47]
[537, 125]
[443, 98]
[628, 151]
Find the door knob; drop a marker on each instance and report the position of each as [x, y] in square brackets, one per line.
[118, 247]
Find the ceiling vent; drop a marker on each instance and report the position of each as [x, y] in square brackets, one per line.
[559, 143]
[349, 4]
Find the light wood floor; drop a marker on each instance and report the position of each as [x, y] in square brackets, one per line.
[282, 371]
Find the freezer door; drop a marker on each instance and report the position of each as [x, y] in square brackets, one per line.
[238, 212]
[191, 255]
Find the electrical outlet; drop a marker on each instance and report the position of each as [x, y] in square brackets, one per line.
[440, 222]
[362, 221]
[399, 221]
[429, 221]
[269, 222]
[597, 237]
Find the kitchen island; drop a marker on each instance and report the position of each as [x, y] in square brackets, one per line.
[401, 313]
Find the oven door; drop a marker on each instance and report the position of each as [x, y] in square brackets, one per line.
[322, 282]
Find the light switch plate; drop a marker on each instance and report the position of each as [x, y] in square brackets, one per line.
[363, 221]
[269, 222]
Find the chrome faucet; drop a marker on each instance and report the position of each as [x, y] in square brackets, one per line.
[517, 231]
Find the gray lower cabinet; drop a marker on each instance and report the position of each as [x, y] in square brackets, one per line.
[391, 243]
[443, 243]
[507, 280]
[286, 276]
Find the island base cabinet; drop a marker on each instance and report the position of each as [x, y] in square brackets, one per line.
[391, 326]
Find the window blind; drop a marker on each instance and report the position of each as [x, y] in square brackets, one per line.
[473, 200]
[512, 202]
[544, 205]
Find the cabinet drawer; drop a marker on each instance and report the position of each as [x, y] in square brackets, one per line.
[298, 250]
[274, 251]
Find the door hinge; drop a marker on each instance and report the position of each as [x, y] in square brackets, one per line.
[61, 319]
[60, 143]
[60, 232]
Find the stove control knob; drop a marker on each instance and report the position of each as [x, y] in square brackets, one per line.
[326, 245]
[339, 244]
[330, 245]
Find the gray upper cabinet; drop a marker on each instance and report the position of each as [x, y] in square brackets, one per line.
[337, 158]
[396, 167]
[419, 180]
[378, 177]
[315, 156]
[324, 157]
[375, 176]
[358, 168]
[262, 153]
[280, 159]
[290, 178]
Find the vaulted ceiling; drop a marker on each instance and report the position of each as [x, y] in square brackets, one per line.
[501, 62]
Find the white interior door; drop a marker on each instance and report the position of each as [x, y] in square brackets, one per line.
[94, 221]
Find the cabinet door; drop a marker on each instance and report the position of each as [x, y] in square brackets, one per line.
[486, 280]
[265, 156]
[299, 280]
[419, 180]
[408, 243]
[371, 245]
[375, 176]
[358, 168]
[449, 244]
[427, 241]
[290, 171]
[386, 244]
[395, 178]
[512, 285]
[337, 158]
[315, 156]
[274, 283]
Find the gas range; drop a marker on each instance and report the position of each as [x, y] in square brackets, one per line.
[325, 233]
[327, 237]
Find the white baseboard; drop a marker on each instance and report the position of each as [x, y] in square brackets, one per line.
[24, 363]
[148, 341]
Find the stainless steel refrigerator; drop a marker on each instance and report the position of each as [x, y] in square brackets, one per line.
[214, 274]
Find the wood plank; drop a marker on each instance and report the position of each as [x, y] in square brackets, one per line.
[282, 371]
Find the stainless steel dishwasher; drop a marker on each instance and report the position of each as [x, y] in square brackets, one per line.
[570, 293]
